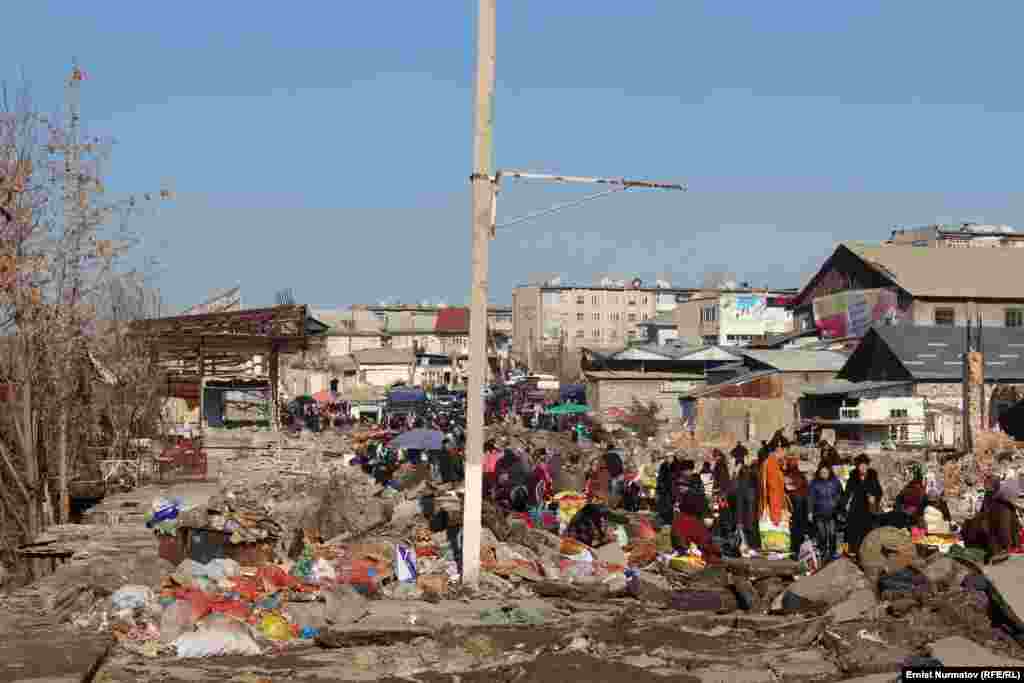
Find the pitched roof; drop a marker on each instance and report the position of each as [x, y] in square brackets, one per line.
[738, 380]
[842, 387]
[940, 272]
[931, 352]
[452, 320]
[384, 356]
[796, 360]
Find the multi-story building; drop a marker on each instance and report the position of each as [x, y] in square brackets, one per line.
[735, 317]
[606, 315]
[426, 329]
[962, 235]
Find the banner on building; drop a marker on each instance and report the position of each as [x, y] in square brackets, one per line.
[750, 314]
[851, 313]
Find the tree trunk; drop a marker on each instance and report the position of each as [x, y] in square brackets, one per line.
[64, 511]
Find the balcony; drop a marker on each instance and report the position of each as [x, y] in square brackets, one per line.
[849, 413]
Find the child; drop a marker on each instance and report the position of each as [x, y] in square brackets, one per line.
[824, 494]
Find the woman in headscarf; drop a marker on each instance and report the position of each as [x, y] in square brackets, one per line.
[689, 527]
[797, 491]
[861, 498]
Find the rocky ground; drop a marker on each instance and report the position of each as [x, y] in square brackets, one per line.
[51, 631]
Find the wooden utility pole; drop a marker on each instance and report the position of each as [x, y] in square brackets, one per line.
[483, 222]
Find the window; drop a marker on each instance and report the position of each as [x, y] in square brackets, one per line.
[644, 300]
[631, 334]
[596, 317]
[579, 334]
[580, 299]
[631, 317]
[709, 314]
[1014, 317]
[945, 316]
[631, 301]
[596, 334]
[899, 433]
[645, 316]
[595, 300]
[615, 317]
[565, 297]
[579, 317]
[612, 334]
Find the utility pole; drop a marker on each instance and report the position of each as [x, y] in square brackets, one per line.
[483, 221]
[485, 189]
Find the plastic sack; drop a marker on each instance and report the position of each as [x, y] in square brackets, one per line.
[275, 627]
[220, 569]
[132, 597]
[808, 557]
[218, 635]
[774, 537]
[405, 564]
[176, 620]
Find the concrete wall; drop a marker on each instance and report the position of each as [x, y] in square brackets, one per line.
[383, 375]
[338, 345]
[613, 393]
[992, 314]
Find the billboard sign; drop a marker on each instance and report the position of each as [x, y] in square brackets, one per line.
[750, 314]
[852, 313]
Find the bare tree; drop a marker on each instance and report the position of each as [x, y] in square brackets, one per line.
[56, 251]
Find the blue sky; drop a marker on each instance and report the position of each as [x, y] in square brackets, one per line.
[326, 146]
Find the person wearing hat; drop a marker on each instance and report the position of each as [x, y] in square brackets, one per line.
[861, 498]
[688, 528]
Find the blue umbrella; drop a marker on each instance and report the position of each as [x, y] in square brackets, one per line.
[419, 440]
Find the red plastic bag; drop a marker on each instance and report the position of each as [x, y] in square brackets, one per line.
[277, 577]
[247, 588]
[199, 600]
[232, 608]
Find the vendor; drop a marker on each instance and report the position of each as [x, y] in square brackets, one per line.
[690, 527]
[995, 527]
[910, 503]
[589, 526]
[511, 490]
[687, 481]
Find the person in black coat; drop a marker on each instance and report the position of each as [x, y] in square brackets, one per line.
[861, 498]
[663, 494]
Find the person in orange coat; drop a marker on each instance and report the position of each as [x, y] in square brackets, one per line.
[773, 483]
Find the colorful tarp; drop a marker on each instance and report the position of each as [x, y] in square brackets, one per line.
[851, 313]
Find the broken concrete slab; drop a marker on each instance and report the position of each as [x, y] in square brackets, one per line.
[723, 674]
[832, 583]
[957, 651]
[1007, 579]
[860, 603]
[809, 664]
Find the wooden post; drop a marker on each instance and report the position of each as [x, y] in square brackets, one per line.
[274, 361]
[202, 388]
[483, 220]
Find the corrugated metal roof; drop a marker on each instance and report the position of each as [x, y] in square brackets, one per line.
[452, 321]
[637, 375]
[797, 360]
[745, 378]
[842, 387]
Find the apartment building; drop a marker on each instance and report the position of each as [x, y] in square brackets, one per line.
[423, 328]
[607, 315]
[962, 235]
[735, 317]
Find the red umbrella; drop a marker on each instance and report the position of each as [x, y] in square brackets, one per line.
[325, 396]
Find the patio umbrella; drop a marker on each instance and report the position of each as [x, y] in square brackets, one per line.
[419, 439]
[568, 409]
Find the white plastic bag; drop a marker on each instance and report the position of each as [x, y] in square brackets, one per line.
[405, 563]
[809, 556]
[131, 597]
[218, 635]
[220, 569]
